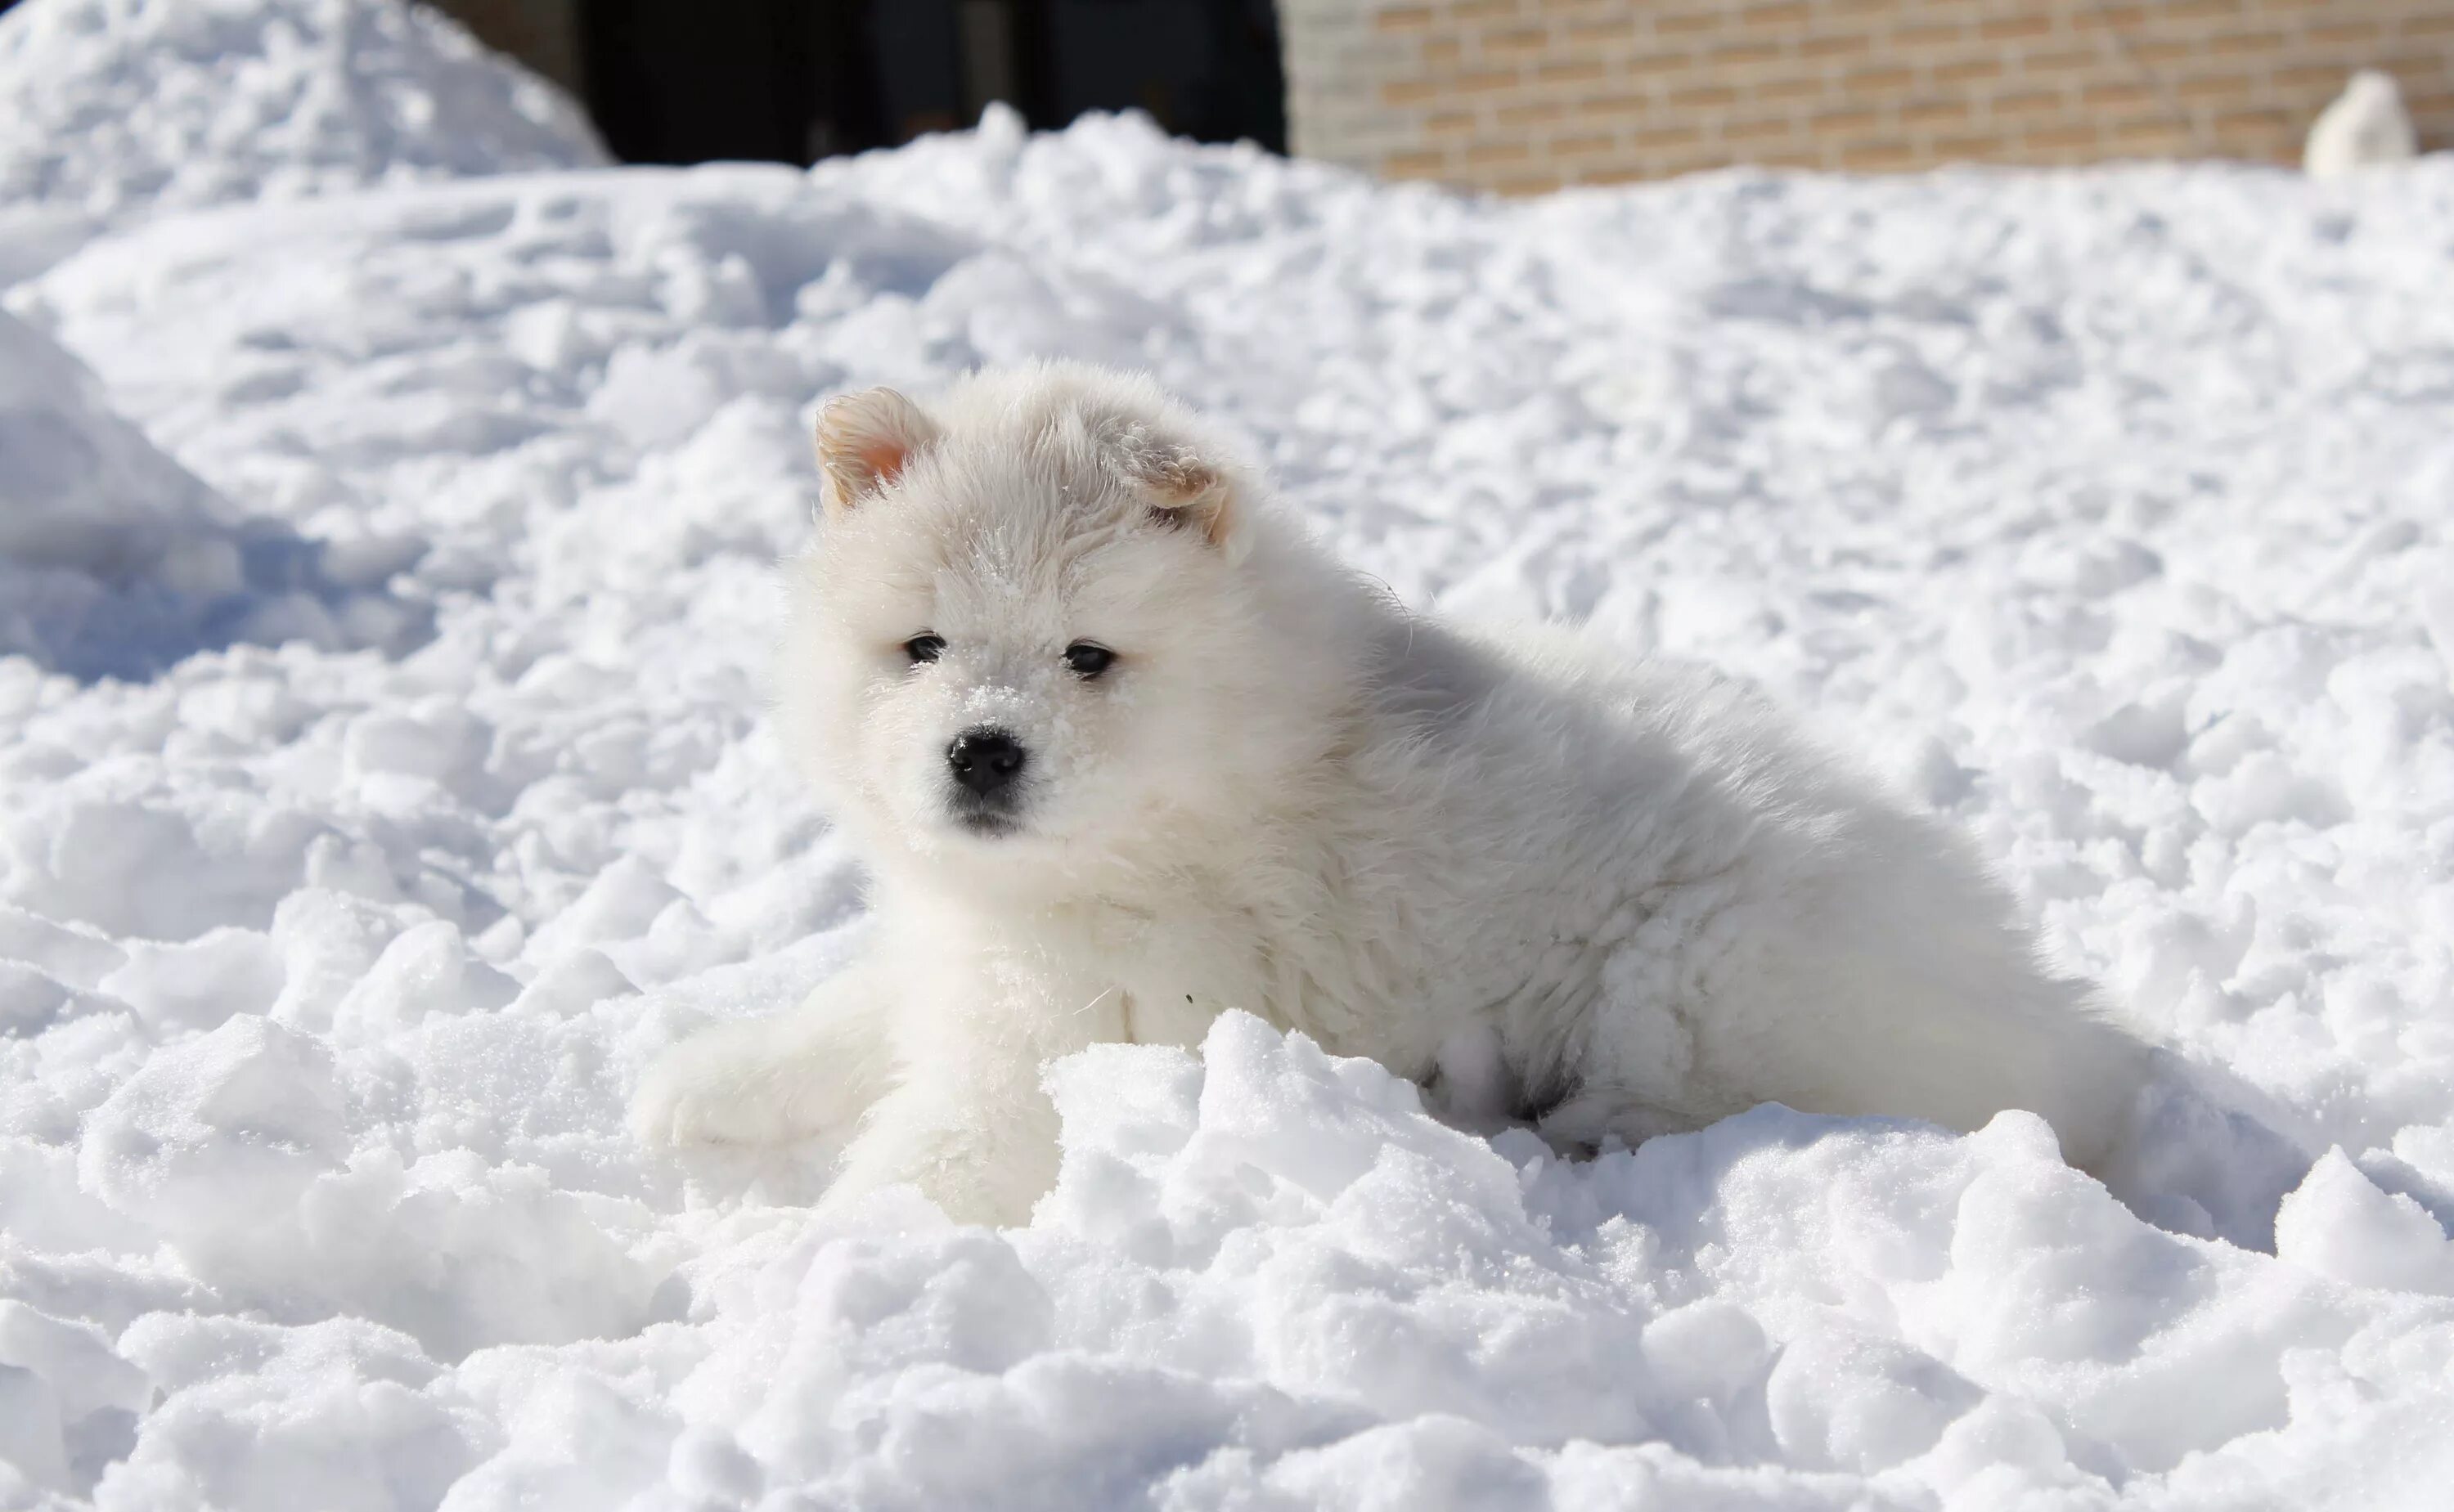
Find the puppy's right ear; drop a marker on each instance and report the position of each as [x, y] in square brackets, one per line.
[866, 440]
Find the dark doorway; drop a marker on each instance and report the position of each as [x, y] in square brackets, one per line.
[795, 80]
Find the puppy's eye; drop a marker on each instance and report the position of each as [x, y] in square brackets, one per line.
[924, 648]
[1089, 660]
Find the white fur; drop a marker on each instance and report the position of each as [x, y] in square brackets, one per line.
[1621, 896]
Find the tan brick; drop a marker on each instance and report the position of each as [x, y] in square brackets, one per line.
[1688, 23]
[2020, 104]
[2060, 134]
[2216, 87]
[2345, 31]
[1482, 82]
[2046, 62]
[1761, 129]
[1412, 91]
[1403, 18]
[1701, 94]
[1571, 72]
[1847, 119]
[2256, 120]
[1787, 87]
[2296, 74]
[1959, 147]
[2157, 50]
[1692, 160]
[1618, 107]
[2150, 138]
[2117, 93]
[1927, 35]
[1531, 112]
[1482, 155]
[1613, 33]
[1777, 16]
[1969, 69]
[1617, 169]
[1878, 80]
[2118, 17]
[1588, 145]
[2019, 25]
[1646, 64]
[1827, 45]
[2240, 44]
[1878, 157]
[1449, 123]
[1520, 184]
[1679, 134]
[1514, 41]
[1929, 111]
[1788, 155]
[1741, 52]
[1414, 165]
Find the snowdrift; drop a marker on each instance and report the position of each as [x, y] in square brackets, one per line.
[115, 561]
[2106, 508]
[118, 109]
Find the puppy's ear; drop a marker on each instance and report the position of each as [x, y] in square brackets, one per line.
[1186, 491]
[866, 440]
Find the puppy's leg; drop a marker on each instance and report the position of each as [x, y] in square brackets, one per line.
[969, 1122]
[765, 1081]
[983, 1153]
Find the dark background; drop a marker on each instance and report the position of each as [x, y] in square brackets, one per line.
[794, 80]
[690, 81]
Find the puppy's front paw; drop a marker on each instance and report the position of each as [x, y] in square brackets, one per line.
[721, 1088]
[948, 1166]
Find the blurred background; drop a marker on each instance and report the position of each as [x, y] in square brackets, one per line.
[1514, 95]
[1517, 96]
[795, 80]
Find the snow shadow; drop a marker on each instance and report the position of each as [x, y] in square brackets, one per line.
[117, 562]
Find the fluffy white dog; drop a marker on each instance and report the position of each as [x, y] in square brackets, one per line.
[1124, 750]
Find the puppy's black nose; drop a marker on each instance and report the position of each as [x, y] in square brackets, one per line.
[986, 759]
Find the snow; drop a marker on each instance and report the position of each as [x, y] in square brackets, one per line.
[118, 109]
[2364, 125]
[2106, 509]
[115, 559]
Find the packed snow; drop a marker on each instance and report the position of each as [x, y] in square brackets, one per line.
[342, 896]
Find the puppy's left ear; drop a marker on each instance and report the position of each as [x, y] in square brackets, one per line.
[1189, 493]
[866, 440]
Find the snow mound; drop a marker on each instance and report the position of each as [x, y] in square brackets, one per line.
[116, 108]
[115, 561]
[2107, 509]
[2364, 127]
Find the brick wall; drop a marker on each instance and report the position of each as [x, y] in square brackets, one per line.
[1525, 95]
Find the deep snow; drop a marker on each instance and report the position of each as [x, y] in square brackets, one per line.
[2108, 511]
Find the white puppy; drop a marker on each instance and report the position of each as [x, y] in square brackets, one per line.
[1124, 750]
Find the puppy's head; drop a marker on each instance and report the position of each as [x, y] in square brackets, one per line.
[1048, 627]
